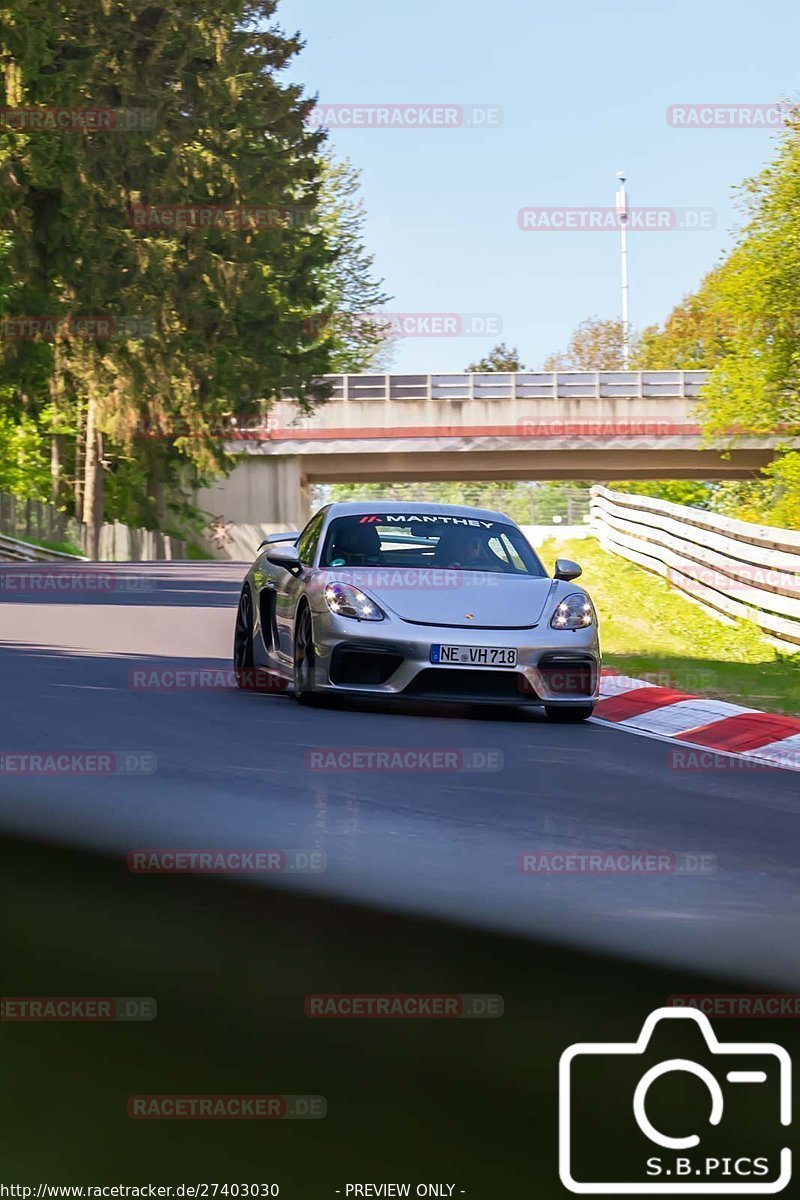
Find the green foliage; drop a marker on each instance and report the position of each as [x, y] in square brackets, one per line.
[774, 500]
[525, 503]
[596, 345]
[500, 358]
[227, 315]
[694, 337]
[744, 325]
[514, 499]
[24, 459]
[197, 553]
[676, 491]
[59, 547]
[784, 473]
[350, 325]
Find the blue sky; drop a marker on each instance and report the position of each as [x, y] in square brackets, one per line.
[584, 88]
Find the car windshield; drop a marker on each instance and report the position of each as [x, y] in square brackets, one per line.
[423, 540]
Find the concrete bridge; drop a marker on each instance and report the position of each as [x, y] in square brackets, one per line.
[593, 425]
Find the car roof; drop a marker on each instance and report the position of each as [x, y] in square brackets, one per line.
[344, 508]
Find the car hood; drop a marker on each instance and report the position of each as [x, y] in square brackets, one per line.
[470, 599]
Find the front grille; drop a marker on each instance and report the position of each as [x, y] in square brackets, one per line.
[565, 676]
[352, 666]
[462, 682]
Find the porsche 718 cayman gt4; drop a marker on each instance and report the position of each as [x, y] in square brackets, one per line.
[419, 601]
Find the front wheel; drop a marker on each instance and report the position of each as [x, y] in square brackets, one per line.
[567, 714]
[304, 659]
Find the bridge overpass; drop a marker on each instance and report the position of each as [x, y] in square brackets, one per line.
[587, 425]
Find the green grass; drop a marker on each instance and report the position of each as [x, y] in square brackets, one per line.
[194, 552]
[648, 628]
[60, 547]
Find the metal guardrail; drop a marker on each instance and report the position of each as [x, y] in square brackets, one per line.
[733, 569]
[14, 550]
[519, 385]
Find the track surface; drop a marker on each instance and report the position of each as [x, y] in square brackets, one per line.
[232, 773]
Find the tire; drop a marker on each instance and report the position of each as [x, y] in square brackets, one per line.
[568, 714]
[304, 658]
[243, 661]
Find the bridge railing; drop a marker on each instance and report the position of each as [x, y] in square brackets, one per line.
[733, 569]
[519, 385]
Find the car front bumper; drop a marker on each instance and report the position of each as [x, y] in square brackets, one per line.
[392, 658]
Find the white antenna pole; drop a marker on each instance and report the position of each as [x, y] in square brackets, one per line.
[622, 209]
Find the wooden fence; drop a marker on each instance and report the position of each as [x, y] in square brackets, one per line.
[24, 522]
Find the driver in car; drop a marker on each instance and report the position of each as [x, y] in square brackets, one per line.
[467, 550]
[357, 546]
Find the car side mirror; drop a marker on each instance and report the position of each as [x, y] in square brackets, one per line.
[287, 557]
[567, 569]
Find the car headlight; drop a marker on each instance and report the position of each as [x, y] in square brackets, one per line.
[345, 600]
[574, 612]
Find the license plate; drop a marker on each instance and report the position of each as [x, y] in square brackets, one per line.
[473, 656]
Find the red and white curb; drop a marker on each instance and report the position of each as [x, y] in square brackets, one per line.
[698, 722]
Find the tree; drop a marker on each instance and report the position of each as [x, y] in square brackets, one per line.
[693, 337]
[351, 323]
[500, 358]
[225, 312]
[677, 491]
[596, 345]
[743, 325]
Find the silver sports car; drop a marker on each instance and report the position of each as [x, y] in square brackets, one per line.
[419, 601]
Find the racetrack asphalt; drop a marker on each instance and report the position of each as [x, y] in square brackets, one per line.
[232, 771]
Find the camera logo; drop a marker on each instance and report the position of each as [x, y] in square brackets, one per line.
[655, 1101]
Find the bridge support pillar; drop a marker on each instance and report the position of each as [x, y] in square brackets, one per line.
[263, 494]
